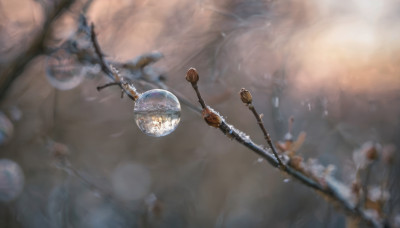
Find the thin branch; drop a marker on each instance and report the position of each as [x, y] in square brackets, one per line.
[107, 85]
[123, 83]
[330, 189]
[17, 66]
[266, 134]
[104, 67]
[246, 98]
[201, 101]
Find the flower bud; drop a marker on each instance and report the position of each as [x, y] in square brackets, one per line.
[296, 162]
[245, 95]
[212, 118]
[192, 76]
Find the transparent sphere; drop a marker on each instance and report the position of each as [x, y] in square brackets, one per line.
[6, 129]
[63, 71]
[157, 112]
[11, 180]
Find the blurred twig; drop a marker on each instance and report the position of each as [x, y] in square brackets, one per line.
[35, 48]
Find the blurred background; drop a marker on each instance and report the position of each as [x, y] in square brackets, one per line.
[332, 65]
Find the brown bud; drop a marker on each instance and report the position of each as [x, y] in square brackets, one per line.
[296, 162]
[212, 118]
[192, 76]
[245, 95]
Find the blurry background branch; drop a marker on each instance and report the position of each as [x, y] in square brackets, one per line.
[36, 46]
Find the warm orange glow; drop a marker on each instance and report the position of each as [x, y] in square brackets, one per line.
[353, 52]
[353, 55]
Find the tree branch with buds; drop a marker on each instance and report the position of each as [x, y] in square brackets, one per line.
[332, 189]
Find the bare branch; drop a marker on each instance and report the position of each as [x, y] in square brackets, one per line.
[247, 99]
[332, 189]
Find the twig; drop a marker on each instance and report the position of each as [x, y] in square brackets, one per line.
[104, 67]
[247, 99]
[107, 85]
[123, 83]
[329, 190]
[17, 66]
[193, 77]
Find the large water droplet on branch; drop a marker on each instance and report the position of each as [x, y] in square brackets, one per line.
[11, 180]
[6, 129]
[63, 71]
[157, 112]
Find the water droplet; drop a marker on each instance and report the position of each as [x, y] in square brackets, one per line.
[157, 112]
[63, 71]
[259, 160]
[131, 181]
[309, 106]
[6, 129]
[286, 180]
[11, 180]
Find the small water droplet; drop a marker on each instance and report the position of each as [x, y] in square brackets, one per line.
[286, 180]
[6, 129]
[63, 71]
[309, 106]
[11, 180]
[157, 112]
[259, 160]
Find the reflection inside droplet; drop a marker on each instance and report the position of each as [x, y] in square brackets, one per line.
[157, 112]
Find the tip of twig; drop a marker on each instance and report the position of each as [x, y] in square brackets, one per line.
[192, 76]
[245, 96]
